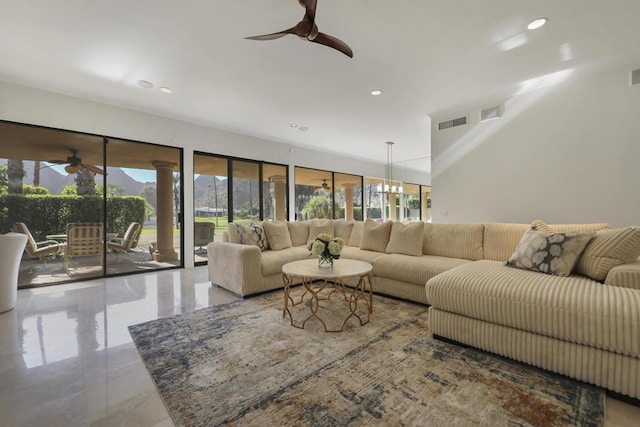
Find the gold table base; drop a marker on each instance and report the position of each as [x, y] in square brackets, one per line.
[314, 294]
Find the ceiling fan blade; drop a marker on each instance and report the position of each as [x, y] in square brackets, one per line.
[71, 169]
[93, 169]
[271, 36]
[333, 42]
[310, 6]
[57, 162]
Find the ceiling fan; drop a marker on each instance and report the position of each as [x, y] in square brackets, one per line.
[308, 29]
[75, 164]
[324, 186]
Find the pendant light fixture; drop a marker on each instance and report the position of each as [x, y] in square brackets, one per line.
[389, 186]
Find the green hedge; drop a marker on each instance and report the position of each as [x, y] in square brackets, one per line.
[47, 214]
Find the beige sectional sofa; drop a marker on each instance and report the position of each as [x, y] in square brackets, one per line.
[585, 328]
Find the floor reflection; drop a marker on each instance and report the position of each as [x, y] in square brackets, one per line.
[66, 349]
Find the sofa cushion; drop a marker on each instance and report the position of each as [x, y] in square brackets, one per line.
[550, 253]
[413, 269]
[277, 234]
[406, 238]
[233, 233]
[375, 236]
[349, 252]
[501, 239]
[272, 261]
[574, 309]
[319, 226]
[454, 240]
[299, 232]
[356, 234]
[342, 228]
[252, 234]
[609, 248]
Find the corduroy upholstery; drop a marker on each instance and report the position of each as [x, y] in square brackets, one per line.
[573, 325]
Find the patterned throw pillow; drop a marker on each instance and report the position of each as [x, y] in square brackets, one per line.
[550, 253]
[253, 234]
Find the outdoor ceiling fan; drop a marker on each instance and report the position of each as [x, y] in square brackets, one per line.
[324, 186]
[75, 164]
[308, 29]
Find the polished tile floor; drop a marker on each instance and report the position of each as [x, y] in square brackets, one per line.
[67, 359]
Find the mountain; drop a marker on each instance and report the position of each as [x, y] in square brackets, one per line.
[55, 182]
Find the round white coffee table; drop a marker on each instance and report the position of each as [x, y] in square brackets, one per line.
[331, 285]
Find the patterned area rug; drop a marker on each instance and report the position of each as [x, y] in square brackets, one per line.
[243, 364]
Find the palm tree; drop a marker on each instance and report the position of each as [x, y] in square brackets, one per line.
[15, 175]
[318, 207]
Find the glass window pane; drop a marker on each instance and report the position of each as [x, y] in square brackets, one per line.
[373, 199]
[143, 206]
[50, 179]
[246, 190]
[411, 202]
[275, 187]
[348, 194]
[313, 193]
[211, 202]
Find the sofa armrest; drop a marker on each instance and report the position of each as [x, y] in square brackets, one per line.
[235, 267]
[625, 276]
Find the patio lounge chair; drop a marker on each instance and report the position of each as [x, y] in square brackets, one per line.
[124, 244]
[40, 250]
[83, 239]
[204, 233]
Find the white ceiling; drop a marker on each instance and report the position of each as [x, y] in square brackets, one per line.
[427, 56]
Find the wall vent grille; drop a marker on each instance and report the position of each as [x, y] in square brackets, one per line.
[635, 77]
[452, 123]
[490, 114]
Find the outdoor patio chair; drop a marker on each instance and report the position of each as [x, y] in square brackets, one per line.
[204, 233]
[83, 239]
[124, 244]
[41, 250]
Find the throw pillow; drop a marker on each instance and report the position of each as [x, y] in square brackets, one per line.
[375, 236]
[299, 232]
[406, 239]
[356, 234]
[253, 234]
[233, 233]
[550, 253]
[541, 226]
[319, 226]
[277, 234]
[343, 228]
[609, 248]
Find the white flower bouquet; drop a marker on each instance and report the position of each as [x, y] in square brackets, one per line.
[326, 248]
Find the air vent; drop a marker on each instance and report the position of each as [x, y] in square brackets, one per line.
[452, 123]
[635, 77]
[490, 114]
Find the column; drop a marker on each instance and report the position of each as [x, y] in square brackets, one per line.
[280, 195]
[426, 192]
[348, 200]
[392, 207]
[164, 248]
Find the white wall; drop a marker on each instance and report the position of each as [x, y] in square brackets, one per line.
[565, 153]
[34, 106]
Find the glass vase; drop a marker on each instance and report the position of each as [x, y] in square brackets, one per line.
[325, 262]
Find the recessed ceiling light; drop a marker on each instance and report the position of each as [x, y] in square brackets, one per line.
[166, 89]
[376, 92]
[145, 84]
[293, 125]
[303, 128]
[537, 23]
